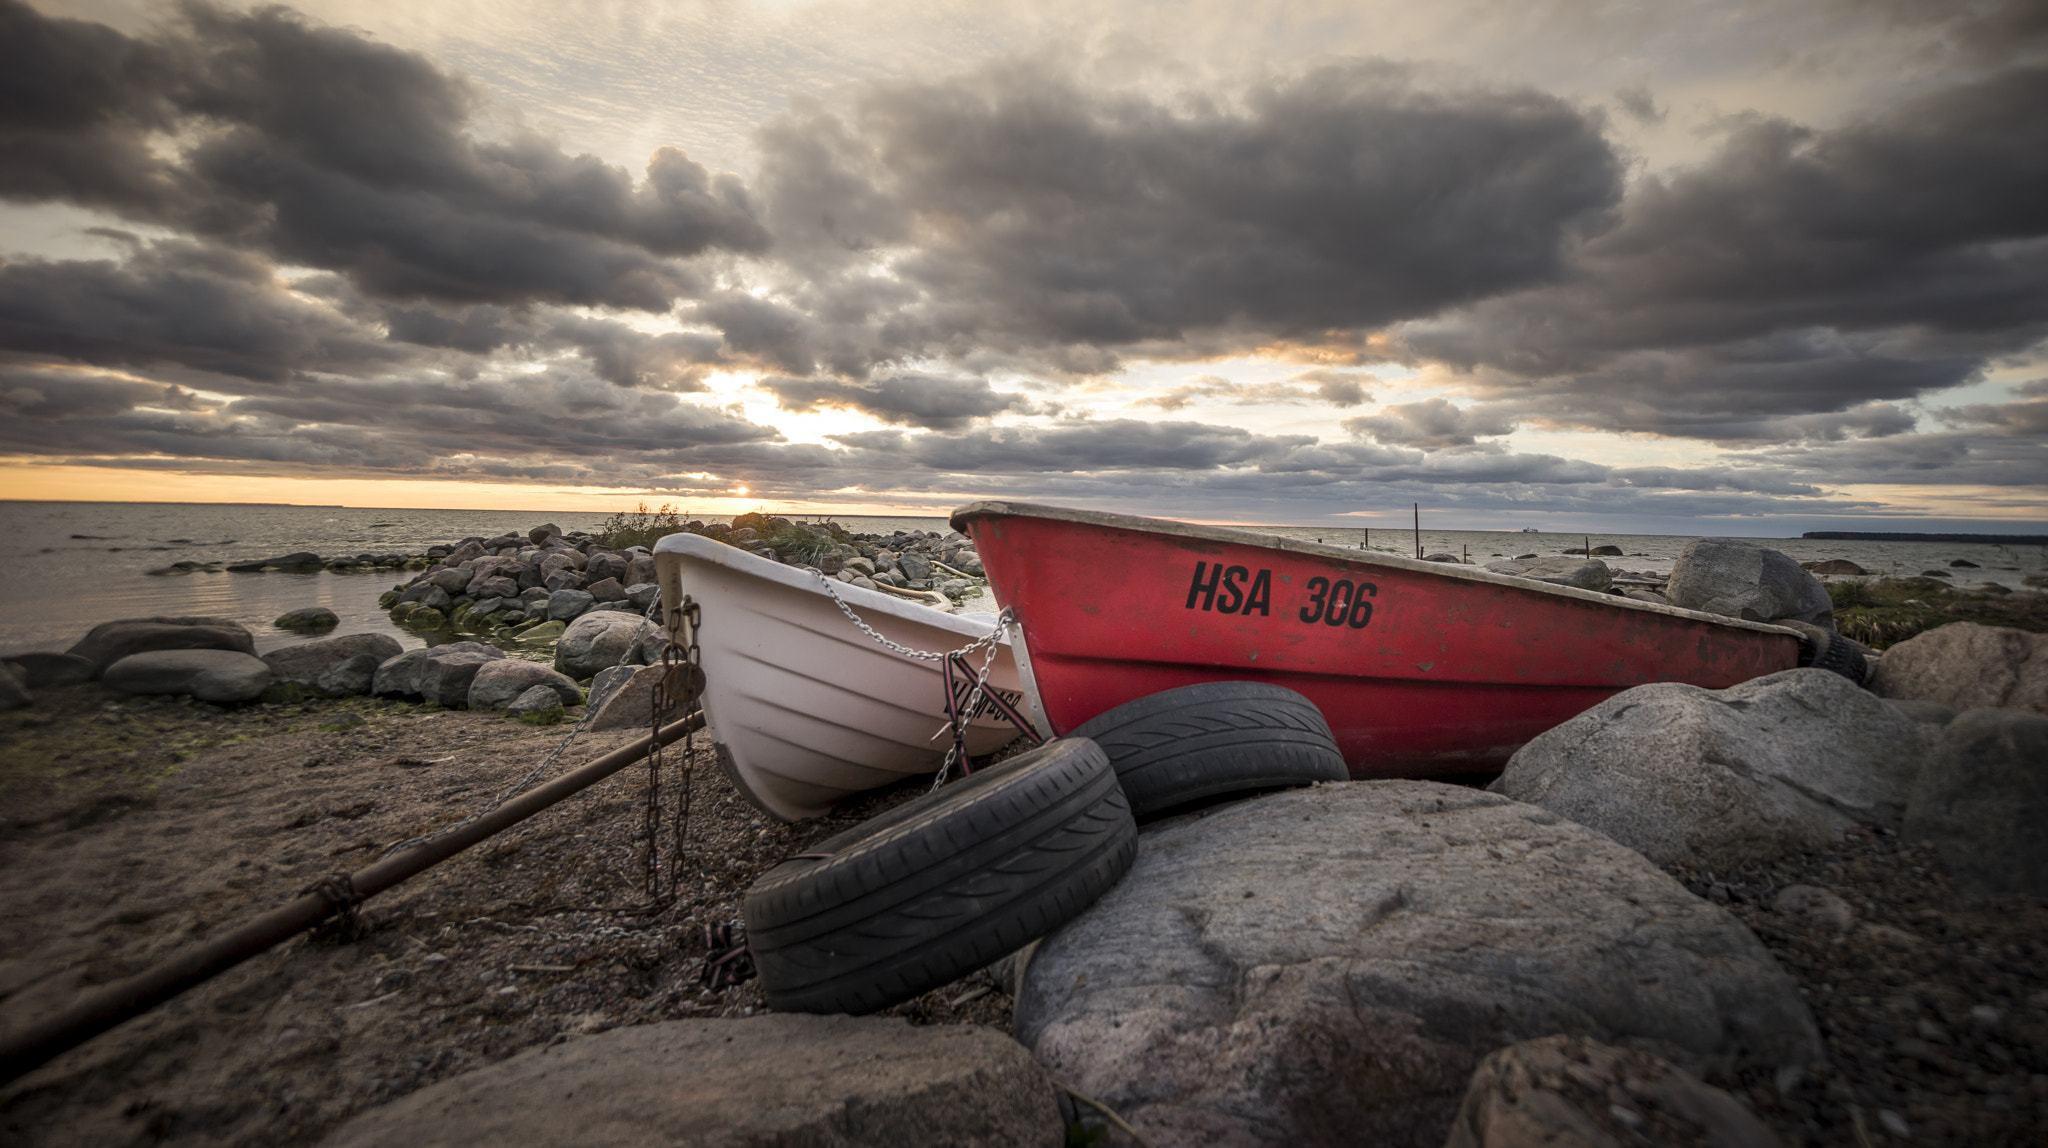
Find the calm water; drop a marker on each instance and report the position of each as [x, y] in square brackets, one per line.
[71, 565]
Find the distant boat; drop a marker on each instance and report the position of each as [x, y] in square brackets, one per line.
[803, 708]
[1420, 668]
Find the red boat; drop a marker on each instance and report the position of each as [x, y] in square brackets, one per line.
[1421, 668]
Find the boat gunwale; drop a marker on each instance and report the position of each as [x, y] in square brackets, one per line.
[1002, 508]
[700, 548]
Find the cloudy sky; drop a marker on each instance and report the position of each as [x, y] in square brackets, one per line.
[1675, 266]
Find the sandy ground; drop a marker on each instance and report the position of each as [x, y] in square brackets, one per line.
[166, 822]
[512, 944]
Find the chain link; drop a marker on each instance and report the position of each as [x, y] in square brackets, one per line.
[676, 686]
[966, 711]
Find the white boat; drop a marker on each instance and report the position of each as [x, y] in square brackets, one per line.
[803, 706]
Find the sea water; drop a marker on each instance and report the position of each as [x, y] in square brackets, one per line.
[68, 566]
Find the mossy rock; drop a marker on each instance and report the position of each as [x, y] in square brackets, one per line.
[540, 631]
[312, 619]
[389, 598]
[423, 618]
[542, 717]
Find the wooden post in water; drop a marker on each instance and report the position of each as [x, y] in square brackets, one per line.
[1418, 530]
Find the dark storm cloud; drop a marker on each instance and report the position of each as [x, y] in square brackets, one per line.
[1117, 444]
[324, 148]
[904, 400]
[1432, 423]
[406, 426]
[183, 304]
[1796, 272]
[2028, 418]
[1034, 212]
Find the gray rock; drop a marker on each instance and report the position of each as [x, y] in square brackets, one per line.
[831, 562]
[1738, 580]
[914, 567]
[563, 580]
[498, 683]
[1933, 713]
[428, 595]
[1968, 666]
[13, 694]
[598, 641]
[303, 560]
[1328, 965]
[467, 552]
[452, 580]
[605, 683]
[400, 676]
[445, 674]
[605, 565]
[1585, 574]
[1983, 799]
[485, 607]
[337, 667]
[533, 594]
[1568, 1092]
[1833, 566]
[308, 618]
[606, 590]
[1650, 596]
[779, 1081]
[43, 669]
[1785, 762]
[536, 700]
[109, 642]
[497, 586]
[642, 594]
[566, 604]
[540, 534]
[628, 701]
[209, 675]
[639, 570]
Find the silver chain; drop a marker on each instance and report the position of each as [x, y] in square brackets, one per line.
[974, 696]
[1003, 621]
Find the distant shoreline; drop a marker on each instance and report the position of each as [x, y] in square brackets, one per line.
[1878, 536]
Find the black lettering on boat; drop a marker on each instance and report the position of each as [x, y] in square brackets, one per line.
[1340, 603]
[1233, 594]
[1260, 597]
[1206, 591]
[1361, 606]
[1318, 595]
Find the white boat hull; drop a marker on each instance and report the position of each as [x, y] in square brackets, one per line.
[805, 708]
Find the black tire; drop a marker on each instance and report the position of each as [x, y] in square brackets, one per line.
[942, 885]
[1823, 650]
[1202, 741]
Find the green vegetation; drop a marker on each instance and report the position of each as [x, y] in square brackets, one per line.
[1883, 612]
[640, 527]
[800, 544]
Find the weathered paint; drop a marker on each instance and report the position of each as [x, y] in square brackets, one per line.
[1433, 669]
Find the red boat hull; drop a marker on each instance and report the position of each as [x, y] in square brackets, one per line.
[1426, 669]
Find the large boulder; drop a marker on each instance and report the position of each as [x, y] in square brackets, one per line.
[1585, 574]
[779, 1081]
[209, 675]
[623, 698]
[336, 667]
[1968, 666]
[1740, 580]
[42, 670]
[451, 579]
[498, 683]
[1328, 966]
[109, 642]
[1983, 799]
[445, 674]
[598, 641]
[307, 618]
[1783, 763]
[400, 676]
[566, 604]
[1569, 1092]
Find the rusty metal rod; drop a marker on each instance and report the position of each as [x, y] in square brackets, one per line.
[28, 1049]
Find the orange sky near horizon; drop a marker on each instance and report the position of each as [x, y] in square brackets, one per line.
[29, 482]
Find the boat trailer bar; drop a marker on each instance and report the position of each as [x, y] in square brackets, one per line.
[24, 1051]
